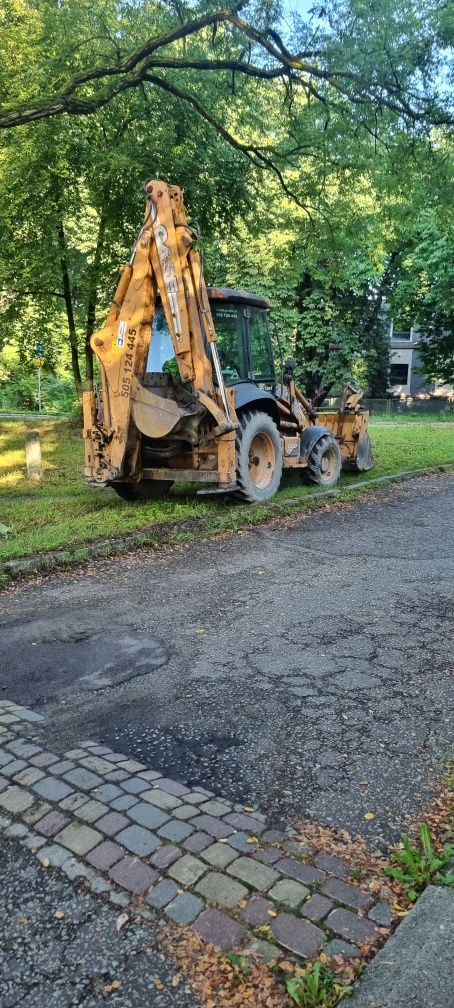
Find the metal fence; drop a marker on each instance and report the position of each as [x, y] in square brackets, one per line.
[392, 406]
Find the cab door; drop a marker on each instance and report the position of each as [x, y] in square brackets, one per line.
[258, 350]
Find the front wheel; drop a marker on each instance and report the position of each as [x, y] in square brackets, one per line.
[259, 457]
[324, 463]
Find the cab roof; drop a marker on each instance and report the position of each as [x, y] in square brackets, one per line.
[232, 294]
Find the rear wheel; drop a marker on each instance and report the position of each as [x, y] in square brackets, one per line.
[259, 457]
[143, 491]
[324, 463]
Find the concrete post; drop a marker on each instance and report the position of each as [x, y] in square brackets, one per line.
[33, 455]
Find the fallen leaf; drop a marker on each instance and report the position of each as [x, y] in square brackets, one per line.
[248, 808]
[115, 984]
[46, 862]
[59, 914]
[252, 839]
[159, 985]
[176, 979]
[369, 815]
[272, 913]
[363, 782]
[121, 921]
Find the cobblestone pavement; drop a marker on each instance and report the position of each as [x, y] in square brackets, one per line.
[59, 946]
[149, 843]
[283, 666]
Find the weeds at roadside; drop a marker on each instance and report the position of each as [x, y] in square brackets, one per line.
[315, 986]
[418, 868]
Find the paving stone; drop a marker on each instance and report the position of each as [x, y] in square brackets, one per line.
[268, 856]
[105, 855]
[23, 749]
[100, 750]
[175, 830]
[95, 763]
[33, 842]
[16, 831]
[297, 847]
[5, 757]
[99, 885]
[51, 823]
[62, 767]
[195, 797]
[44, 759]
[273, 836]
[173, 787]
[183, 812]
[298, 936]
[14, 767]
[187, 870]
[197, 842]
[112, 823]
[132, 766]
[149, 775]
[381, 914]
[257, 875]
[216, 827]
[4, 783]
[138, 840]
[147, 815]
[115, 757]
[91, 811]
[75, 869]
[316, 907]
[52, 789]
[219, 855]
[29, 715]
[29, 776]
[342, 892]
[83, 779]
[218, 929]
[241, 842]
[300, 871]
[256, 911]
[348, 925]
[134, 875]
[8, 719]
[221, 890]
[212, 807]
[116, 776]
[133, 785]
[288, 892]
[123, 803]
[119, 899]
[243, 821]
[162, 893]
[184, 908]
[75, 754]
[263, 951]
[338, 947]
[78, 838]
[331, 864]
[15, 799]
[74, 801]
[35, 812]
[165, 856]
[161, 799]
[53, 854]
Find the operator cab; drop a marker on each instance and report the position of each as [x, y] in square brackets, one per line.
[243, 338]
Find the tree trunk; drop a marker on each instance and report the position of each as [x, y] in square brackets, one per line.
[69, 308]
[92, 302]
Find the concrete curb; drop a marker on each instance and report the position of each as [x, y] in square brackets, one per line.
[414, 967]
[171, 532]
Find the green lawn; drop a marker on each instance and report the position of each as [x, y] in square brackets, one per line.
[62, 512]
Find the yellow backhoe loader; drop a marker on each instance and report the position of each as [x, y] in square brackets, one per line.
[188, 389]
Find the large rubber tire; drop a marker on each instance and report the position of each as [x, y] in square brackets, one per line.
[143, 491]
[324, 462]
[259, 457]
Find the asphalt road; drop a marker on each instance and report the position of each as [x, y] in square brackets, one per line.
[284, 666]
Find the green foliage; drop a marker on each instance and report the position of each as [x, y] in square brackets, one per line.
[21, 394]
[419, 867]
[316, 987]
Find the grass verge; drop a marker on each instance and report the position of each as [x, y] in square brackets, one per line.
[61, 513]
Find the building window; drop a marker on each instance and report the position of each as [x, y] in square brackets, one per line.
[398, 374]
[405, 335]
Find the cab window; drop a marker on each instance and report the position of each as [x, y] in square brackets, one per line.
[161, 350]
[227, 326]
[261, 354]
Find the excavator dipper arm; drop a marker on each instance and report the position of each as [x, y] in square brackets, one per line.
[164, 264]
